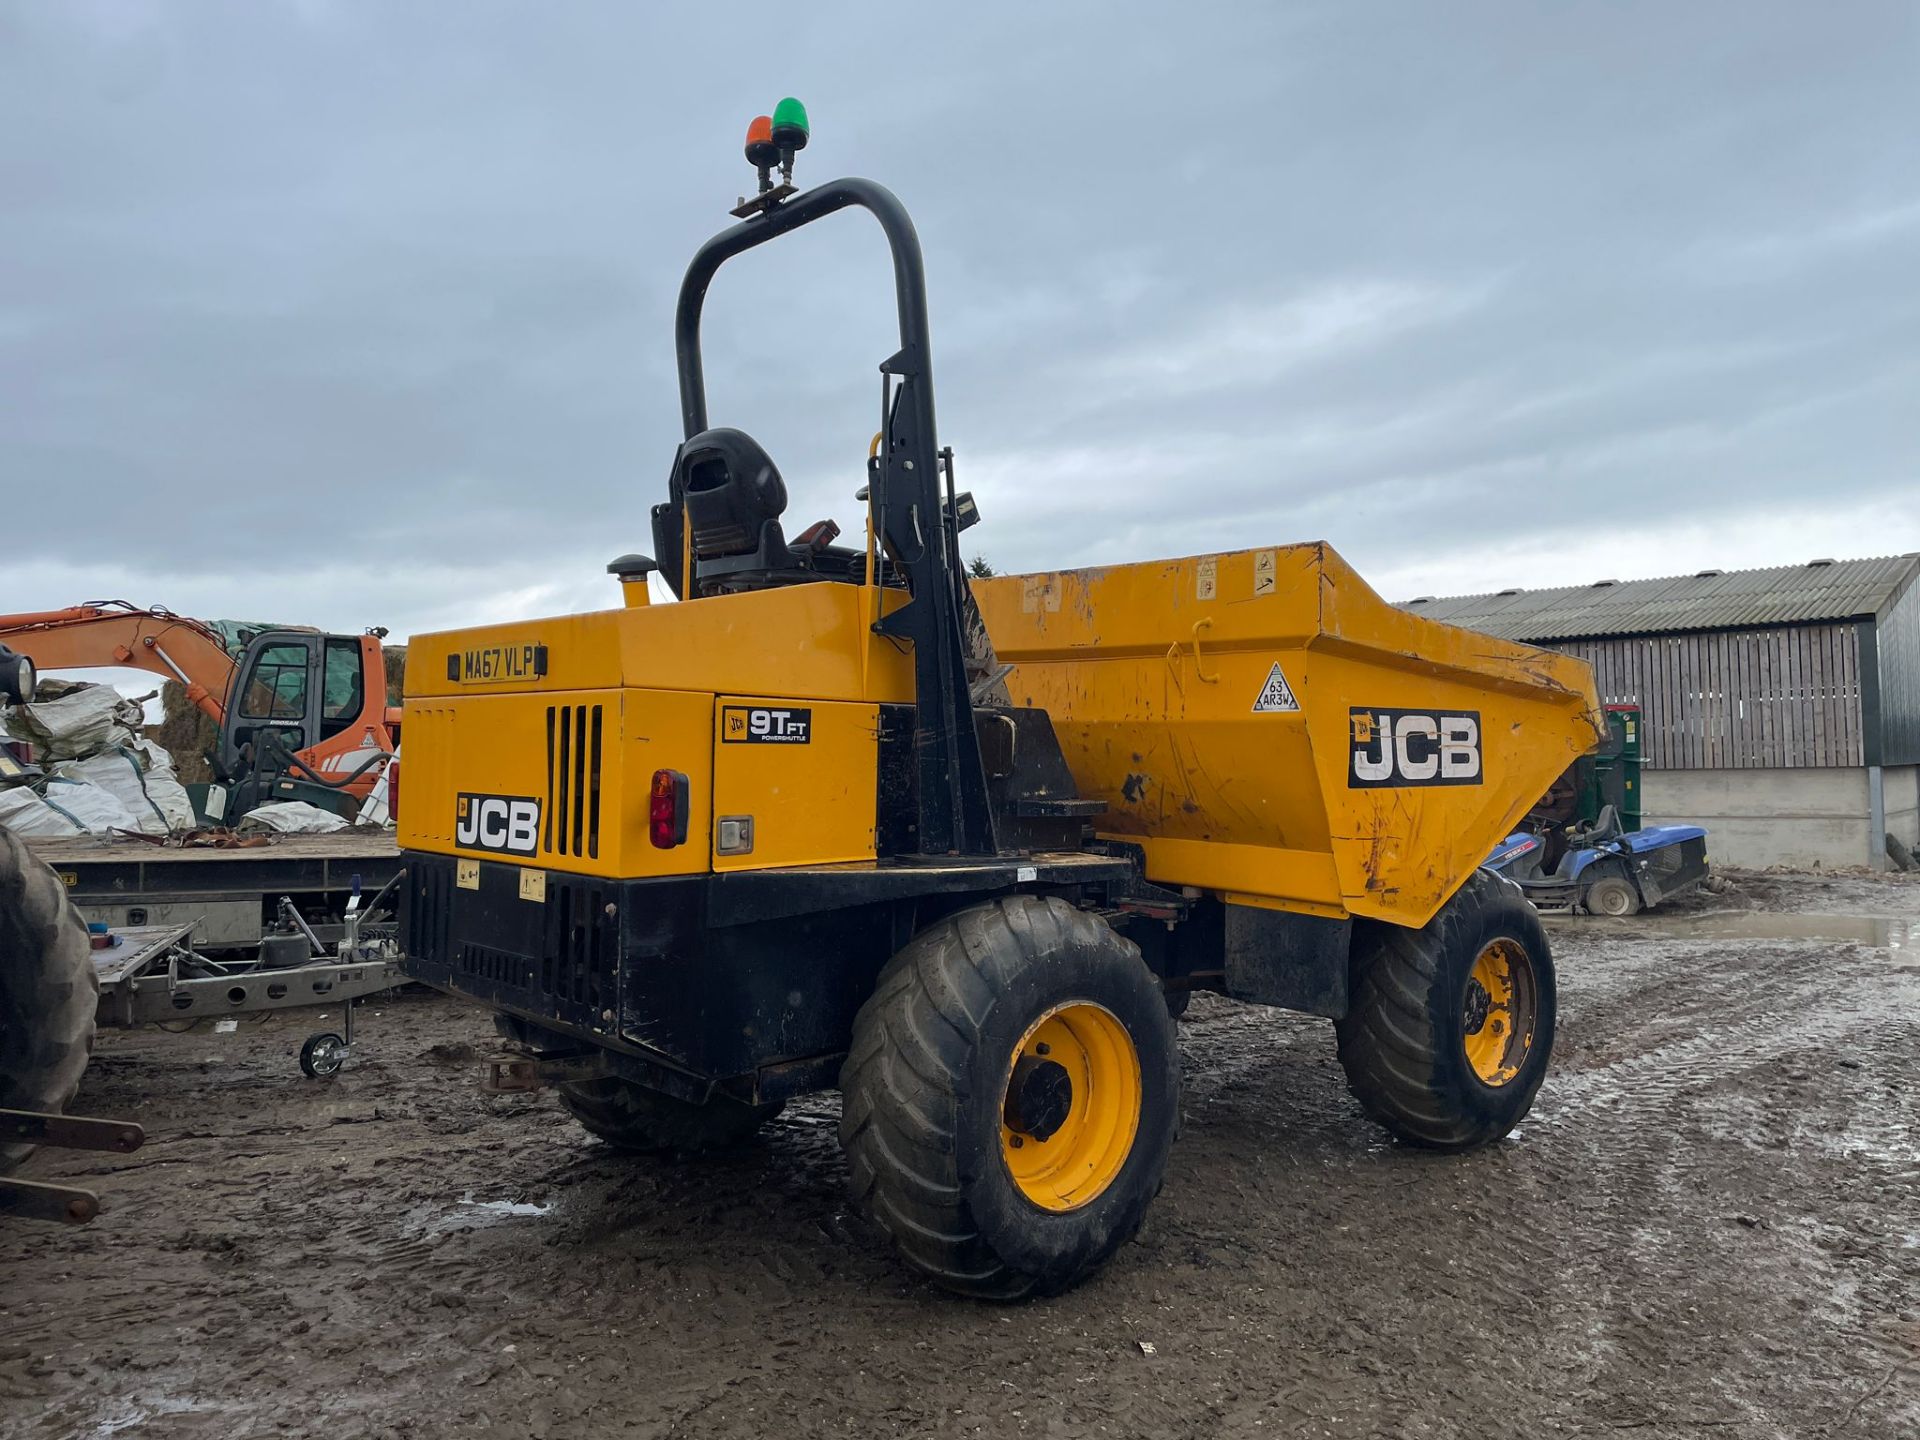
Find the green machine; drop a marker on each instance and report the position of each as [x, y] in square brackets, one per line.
[1609, 776]
[1612, 775]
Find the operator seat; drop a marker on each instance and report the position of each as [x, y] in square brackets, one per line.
[734, 499]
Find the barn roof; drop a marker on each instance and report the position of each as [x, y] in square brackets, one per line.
[1711, 600]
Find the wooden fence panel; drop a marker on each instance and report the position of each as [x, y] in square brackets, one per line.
[1743, 699]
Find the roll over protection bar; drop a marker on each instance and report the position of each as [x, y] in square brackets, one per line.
[906, 499]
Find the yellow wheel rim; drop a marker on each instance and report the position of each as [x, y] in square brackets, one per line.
[1499, 1012]
[1067, 1151]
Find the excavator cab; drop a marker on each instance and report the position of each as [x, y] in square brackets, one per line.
[294, 691]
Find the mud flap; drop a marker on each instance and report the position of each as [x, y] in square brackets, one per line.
[1276, 957]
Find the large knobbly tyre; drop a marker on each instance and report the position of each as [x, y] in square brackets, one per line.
[633, 1118]
[1450, 1026]
[1010, 1098]
[49, 989]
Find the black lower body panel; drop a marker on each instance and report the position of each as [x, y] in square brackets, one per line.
[750, 981]
[631, 965]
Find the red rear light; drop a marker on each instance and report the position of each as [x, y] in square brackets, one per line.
[393, 791]
[667, 809]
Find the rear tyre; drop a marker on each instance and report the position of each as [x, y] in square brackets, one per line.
[1613, 895]
[640, 1121]
[49, 989]
[1010, 1099]
[1450, 1026]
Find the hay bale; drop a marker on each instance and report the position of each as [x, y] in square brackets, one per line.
[396, 672]
[185, 732]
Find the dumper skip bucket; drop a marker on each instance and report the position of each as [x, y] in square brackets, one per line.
[1271, 731]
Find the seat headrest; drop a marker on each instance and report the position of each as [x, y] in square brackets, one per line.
[731, 488]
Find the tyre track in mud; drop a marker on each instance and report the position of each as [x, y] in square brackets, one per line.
[1701, 1229]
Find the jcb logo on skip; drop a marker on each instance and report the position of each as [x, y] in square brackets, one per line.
[1414, 747]
[507, 824]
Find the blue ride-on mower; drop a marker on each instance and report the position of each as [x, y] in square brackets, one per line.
[1601, 869]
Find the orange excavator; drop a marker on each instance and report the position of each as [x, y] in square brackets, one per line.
[302, 714]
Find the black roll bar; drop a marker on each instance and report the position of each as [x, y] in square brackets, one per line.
[955, 815]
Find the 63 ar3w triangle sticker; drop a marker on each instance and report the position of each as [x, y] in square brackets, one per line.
[1276, 695]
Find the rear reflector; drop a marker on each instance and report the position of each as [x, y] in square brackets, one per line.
[667, 809]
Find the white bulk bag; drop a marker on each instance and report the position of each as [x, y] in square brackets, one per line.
[291, 817]
[25, 813]
[89, 806]
[80, 723]
[169, 796]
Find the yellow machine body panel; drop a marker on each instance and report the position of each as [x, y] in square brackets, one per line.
[1270, 730]
[793, 785]
[560, 724]
[540, 780]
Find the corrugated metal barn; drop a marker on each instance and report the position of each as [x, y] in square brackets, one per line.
[1781, 706]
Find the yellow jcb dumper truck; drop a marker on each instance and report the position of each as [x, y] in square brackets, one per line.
[816, 826]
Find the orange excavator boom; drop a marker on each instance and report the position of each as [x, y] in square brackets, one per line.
[107, 633]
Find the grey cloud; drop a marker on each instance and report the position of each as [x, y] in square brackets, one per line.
[382, 294]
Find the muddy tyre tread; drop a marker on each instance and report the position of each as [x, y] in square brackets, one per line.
[1398, 1042]
[49, 989]
[640, 1121]
[913, 1066]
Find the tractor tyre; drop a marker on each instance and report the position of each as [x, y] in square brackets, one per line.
[49, 989]
[1613, 896]
[1450, 1026]
[1010, 1099]
[641, 1121]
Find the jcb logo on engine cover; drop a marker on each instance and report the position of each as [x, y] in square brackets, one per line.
[1414, 747]
[506, 824]
[765, 725]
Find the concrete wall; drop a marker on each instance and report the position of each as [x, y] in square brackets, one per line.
[1902, 786]
[1800, 818]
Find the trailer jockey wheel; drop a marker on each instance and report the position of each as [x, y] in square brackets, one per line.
[1449, 1027]
[323, 1055]
[1010, 1097]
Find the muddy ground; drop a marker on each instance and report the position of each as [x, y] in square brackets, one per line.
[1710, 1225]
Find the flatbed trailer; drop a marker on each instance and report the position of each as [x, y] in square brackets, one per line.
[229, 897]
[154, 974]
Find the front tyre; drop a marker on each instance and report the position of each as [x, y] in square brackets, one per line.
[1011, 1097]
[1450, 1026]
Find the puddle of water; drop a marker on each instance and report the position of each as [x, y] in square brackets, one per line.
[138, 1415]
[1875, 930]
[468, 1213]
[504, 1208]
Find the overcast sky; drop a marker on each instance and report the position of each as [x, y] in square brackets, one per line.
[348, 314]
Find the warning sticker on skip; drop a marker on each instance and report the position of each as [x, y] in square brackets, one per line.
[1276, 694]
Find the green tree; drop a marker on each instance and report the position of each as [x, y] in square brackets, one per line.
[979, 569]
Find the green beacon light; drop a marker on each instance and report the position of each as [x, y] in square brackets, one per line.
[790, 129]
[773, 140]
